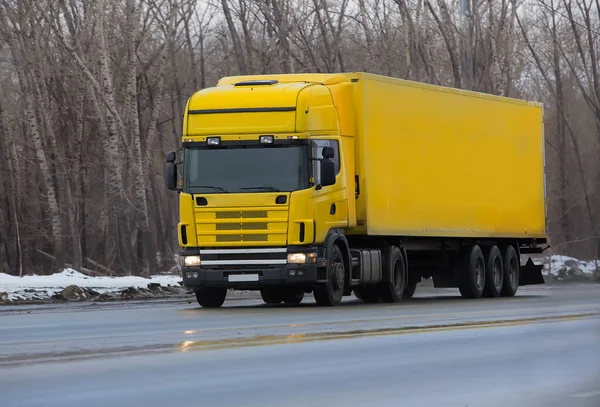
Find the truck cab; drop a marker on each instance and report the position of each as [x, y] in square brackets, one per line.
[264, 182]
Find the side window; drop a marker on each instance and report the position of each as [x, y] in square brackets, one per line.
[317, 151]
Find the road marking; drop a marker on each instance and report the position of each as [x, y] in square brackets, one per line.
[506, 316]
[586, 395]
[264, 340]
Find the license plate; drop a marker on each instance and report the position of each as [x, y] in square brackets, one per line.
[243, 277]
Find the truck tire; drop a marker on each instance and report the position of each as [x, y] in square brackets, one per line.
[270, 295]
[394, 265]
[494, 276]
[292, 295]
[511, 272]
[332, 291]
[367, 294]
[211, 297]
[409, 291]
[471, 277]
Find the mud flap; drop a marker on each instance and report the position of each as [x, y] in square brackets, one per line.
[531, 274]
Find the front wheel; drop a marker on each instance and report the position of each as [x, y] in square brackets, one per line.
[332, 291]
[211, 297]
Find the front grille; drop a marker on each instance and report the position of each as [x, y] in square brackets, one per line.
[243, 238]
[245, 256]
[241, 214]
[242, 226]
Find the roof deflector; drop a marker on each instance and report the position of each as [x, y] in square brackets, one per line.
[257, 83]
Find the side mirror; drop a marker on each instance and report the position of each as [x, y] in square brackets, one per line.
[171, 157]
[327, 172]
[171, 171]
[171, 176]
[328, 152]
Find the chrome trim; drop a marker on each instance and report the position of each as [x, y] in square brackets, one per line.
[241, 262]
[244, 251]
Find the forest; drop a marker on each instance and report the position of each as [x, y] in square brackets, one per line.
[92, 94]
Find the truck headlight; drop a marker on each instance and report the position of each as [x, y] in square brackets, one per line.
[301, 258]
[191, 261]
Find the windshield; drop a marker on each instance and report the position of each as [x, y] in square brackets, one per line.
[246, 169]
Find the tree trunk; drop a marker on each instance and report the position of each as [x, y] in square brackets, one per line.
[141, 201]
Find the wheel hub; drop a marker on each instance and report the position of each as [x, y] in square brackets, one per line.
[513, 273]
[337, 276]
[497, 273]
[479, 275]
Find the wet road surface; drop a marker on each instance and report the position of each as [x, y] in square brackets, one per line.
[540, 348]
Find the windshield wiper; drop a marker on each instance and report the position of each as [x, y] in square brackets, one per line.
[264, 188]
[219, 189]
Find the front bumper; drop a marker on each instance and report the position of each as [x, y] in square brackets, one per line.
[250, 279]
[228, 269]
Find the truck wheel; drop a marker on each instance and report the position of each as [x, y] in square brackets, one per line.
[211, 297]
[393, 263]
[367, 294]
[471, 278]
[494, 276]
[292, 295]
[331, 293]
[409, 291]
[270, 295]
[511, 272]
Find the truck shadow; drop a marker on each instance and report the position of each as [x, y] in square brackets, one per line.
[309, 303]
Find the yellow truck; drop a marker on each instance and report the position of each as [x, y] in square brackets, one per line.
[357, 183]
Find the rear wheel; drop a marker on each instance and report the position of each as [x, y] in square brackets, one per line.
[392, 291]
[511, 272]
[494, 277]
[471, 277]
[271, 295]
[211, 297]
[292, 295]
[332, 291]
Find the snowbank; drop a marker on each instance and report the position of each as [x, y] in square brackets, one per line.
[564, 267]
[36, 287]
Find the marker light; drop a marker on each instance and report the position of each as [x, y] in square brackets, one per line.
[213, 141]
[266, 139]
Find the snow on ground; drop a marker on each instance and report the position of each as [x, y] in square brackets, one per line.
[564, 266]
[42, 287]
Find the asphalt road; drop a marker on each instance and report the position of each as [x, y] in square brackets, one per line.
[541, 348]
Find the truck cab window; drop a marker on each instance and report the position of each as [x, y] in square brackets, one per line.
[317, 152]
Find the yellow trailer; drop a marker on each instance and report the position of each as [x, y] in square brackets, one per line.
[342, 183]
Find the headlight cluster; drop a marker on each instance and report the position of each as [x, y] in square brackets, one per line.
[191, 261]
[301, 258]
